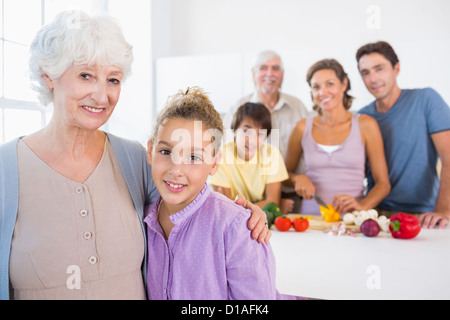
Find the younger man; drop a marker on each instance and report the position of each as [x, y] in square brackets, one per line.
[415, 125]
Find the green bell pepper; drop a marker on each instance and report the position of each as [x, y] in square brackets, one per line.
[272, 212]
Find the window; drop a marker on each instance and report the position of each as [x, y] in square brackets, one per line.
[20, 112]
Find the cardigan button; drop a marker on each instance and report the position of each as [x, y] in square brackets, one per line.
[87, 235]
[93, 260]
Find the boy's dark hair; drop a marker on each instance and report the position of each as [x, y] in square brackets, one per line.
[381, 47]
[255, 111]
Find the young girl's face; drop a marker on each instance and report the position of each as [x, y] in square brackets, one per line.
[249, 137]
[182, 158]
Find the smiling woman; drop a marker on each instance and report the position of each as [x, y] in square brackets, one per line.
[334, 78]
[88, 93]
[336, 144]
[78, 63]
[85, 43]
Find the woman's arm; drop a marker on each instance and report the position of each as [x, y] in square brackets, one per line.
[294, 151]
[303, 186]
[373, 142]
[257, 222]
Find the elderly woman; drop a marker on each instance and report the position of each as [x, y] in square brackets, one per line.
[336, 145]
[72, 196]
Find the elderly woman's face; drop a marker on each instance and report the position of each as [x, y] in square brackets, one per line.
[85, 96]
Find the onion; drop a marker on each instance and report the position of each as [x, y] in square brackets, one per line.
[370, 228]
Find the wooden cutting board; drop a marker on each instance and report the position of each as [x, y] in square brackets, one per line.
[317, 223]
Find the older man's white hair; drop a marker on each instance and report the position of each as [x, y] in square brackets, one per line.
[75, 38]
[264, 56]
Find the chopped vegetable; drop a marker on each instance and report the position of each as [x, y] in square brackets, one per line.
[329, 213]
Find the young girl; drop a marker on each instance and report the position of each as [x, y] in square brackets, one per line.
[198, 241]
[249, 166]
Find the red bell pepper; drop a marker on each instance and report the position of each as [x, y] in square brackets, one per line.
[404, 226]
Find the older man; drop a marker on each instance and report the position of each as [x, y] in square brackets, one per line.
[286, 110]
[415, 125]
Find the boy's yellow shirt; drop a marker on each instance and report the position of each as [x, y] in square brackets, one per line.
[250, 178]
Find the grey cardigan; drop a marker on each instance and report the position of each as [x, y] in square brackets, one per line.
[136, 171]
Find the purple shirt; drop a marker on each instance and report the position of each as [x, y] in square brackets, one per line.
[209, 254]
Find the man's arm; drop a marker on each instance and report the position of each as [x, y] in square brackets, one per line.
[441, 215]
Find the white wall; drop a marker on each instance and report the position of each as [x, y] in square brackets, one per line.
[213, 42]
[216, 27]
[133, 116]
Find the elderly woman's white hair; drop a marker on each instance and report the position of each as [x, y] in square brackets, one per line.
[264, 56]
[75, 38]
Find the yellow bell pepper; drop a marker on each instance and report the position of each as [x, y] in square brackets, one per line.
[329, 214]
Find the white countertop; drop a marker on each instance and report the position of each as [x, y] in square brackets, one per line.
[317, 265]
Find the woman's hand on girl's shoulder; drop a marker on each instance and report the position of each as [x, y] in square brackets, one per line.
[257, 222]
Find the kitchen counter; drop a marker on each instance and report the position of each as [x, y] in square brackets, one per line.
[318, 265]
